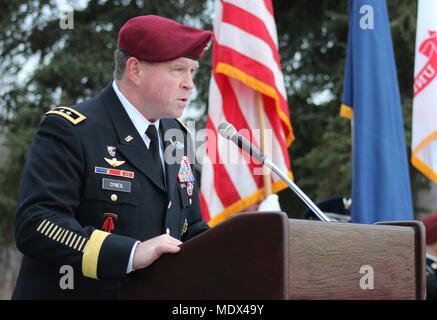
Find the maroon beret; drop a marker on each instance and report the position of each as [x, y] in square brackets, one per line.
[430, 223]
[158, 39]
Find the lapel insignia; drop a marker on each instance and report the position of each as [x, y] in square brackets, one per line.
[109, 224]
[185, 174]
[128, 138]
[111, 150]
[114, 172]
[185, 227]
[114, 162]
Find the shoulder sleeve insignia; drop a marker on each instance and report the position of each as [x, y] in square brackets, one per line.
[70, 114]
[183, 125]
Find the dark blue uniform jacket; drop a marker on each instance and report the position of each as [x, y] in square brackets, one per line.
[89, 191]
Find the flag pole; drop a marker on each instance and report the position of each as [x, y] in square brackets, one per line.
[263, 147]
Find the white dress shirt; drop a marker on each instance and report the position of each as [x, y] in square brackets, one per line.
[141, 124]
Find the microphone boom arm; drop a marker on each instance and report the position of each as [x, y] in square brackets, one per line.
[229, 132]
[296, 190]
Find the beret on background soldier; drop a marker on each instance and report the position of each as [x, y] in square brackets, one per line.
[93, 190]
[430, 223]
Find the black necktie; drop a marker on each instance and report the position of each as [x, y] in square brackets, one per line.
[154, 150]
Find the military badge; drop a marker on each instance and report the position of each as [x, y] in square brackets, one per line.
[114, 172]
[185, 174]
[208, 45]
[190, 188]
[111, 150]
[70, 114]
[109, 224]
[114, 162]
[185, 227]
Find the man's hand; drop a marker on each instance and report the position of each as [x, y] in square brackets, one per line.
[148, 251]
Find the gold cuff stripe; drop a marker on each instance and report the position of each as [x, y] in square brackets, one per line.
[72, 240]
[60, 235]
[45, 227]
[64, 236]
[49, 228]
[91, 253]
[77, 242]
[68, 239]
[81, 245]
[53, 231]
[40, 225]
[57, 233]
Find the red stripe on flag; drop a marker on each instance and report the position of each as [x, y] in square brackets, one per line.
[255, 70]
[251, 24]
[269, 6]
[232, 111]
[204, 208]
[246, 64]
[259, 76]
[276, 123]
[223, 184]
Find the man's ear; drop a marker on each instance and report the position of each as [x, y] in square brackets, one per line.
[134, 70]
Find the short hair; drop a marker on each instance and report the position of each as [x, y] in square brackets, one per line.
[120, 59]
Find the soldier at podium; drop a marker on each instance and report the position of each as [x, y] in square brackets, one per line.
[430, 223]
[98, 197]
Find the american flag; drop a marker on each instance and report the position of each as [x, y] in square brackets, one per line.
[246, 67]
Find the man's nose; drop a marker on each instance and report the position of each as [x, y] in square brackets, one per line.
[188, 82]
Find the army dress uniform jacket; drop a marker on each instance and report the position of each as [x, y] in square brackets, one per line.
[89, 191]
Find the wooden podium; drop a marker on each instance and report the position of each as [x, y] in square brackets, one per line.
[268, 256]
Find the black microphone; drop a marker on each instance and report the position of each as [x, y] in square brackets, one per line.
[228, 131]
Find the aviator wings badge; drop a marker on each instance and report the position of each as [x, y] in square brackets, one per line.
[114, 162]
[112, 152]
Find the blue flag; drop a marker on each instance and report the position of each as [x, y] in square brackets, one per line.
[380, 178]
